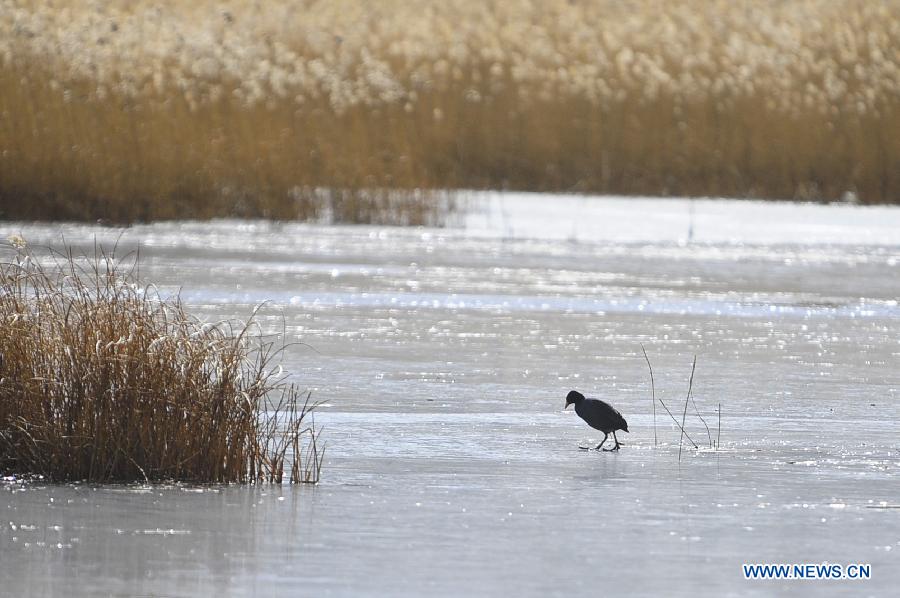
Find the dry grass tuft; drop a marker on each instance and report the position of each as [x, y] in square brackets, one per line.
[105, 380]
[136, 110]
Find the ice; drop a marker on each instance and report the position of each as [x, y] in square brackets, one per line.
[443, 357]
[674, 220]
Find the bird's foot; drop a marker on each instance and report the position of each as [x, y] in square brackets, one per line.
[611, 450]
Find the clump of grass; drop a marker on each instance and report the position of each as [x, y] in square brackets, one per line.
[102, 379]
[140, 109]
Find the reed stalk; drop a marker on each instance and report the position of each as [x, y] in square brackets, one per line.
[652, 393]
[684, 414]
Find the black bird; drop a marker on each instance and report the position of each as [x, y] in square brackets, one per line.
[599, 415]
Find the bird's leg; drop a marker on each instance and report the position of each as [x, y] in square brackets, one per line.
[605, 436]
[615, 448]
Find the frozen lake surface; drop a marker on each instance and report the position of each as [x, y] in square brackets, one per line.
[443, 357]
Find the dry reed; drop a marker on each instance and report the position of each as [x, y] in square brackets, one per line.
[102, 379]
[652, 394]
[713, 444]
[135, 110]
[719, 433]
[686, 399]
[680, 426]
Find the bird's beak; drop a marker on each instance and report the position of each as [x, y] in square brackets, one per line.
[567, 405]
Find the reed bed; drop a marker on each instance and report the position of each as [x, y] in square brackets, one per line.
[102, 379]
[144, 109]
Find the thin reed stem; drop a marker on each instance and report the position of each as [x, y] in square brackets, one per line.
[684, 414]
[719, 433]
[652, 393]
[697, 411]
